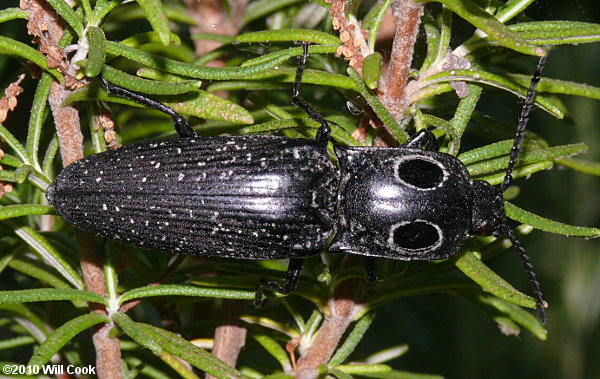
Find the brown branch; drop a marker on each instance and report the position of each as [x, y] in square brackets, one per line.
[409, 16]
[343, 310]
[230, 335]
[7, 104]
[66, 119]
[108, 350]
[212, 17]
[46, 27]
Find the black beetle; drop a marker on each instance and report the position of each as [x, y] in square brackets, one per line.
[269, 197]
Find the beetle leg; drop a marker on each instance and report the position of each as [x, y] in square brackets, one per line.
[324, 130]
[181, 125]
[291, 280]
[422, 139]
[370, 269]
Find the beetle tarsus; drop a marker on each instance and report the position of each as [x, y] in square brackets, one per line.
[324, 130]
[423, 139]
[291, 280]
[181, 125]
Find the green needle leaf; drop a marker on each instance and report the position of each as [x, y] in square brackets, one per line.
[29, 320]
[289, 35]
[558, 32]
[42, 272]
[150, 87]
[184, 290]
[188, 69]
[392, 289]
[14, 144]
[288, 74]
[97, 52]
[194, 103]
[514, 313]
[491, 282]
[10, 46]
[155, 13]
[483, 77]
[496, 30]
[372, 70]
[349, 345]
[541, 223]
[360, 369]
[512, 8]
[372, 23]
[383, 114]
[37, 117]
[62, 336]
[292, 52]
[133, 330]
[565, 87]
[275, 349]
[148, 37]
[10, 211]
[530, 155]
[581, 165]
[8, 14]
[49, 294]
[68, 14]
[16, 342]
[266, 322]
[205, 105]
[184, 370]
[48, 252]
[196, 356]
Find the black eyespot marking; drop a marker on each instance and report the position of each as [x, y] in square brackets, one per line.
[416, 235]
[420, 173]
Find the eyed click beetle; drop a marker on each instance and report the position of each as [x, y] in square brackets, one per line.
[270, 197]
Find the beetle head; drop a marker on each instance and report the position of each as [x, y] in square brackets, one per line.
[488, 209]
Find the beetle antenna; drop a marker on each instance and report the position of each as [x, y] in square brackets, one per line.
[182, 127]
[537, 292]
[522, 124]
[324, 130]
